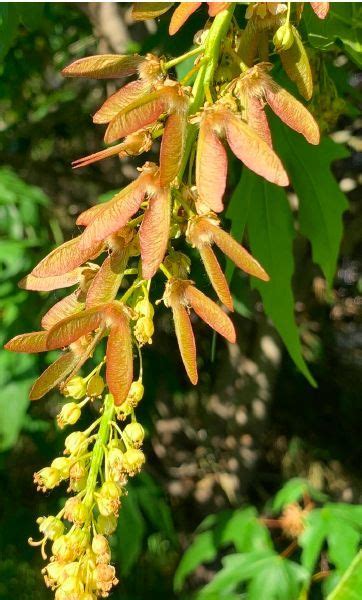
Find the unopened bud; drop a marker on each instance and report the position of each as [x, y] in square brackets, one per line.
[178, 264]
[69, 414]
[106, 525]
[100, 544]
[136, 392]
[108, 499]
[74, 442]
[144, 330]
[135, 434]
[95, 386]
[283, 37]
[62, 549]
[63, 465]
[75, 388]
[133, 459]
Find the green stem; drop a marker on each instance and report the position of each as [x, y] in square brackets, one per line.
[98, 448]
[205, 76]
[178, 59]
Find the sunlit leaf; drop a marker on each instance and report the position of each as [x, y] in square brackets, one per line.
[33, 342]
[53, 375]
[181, 14]
[119, 100]
[256, 118]
[216, 275]
[293, 113]
[216, 7]
[154, 232]
[149, 10]
[211, 167]
[253, 151]
[321, 9]
[47, 284]
[104, 66]
[295, 62]
[73, 327]
[186, 340]
[210, 312]
[105, 284]
[62, 309]
[66, 257]
[119, 372]
[172, 147]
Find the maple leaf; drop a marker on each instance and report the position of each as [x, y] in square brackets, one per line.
[66, 257]
[154, 232]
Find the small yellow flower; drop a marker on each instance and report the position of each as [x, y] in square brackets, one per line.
[133, 460]
[75, 388]
[69, 414]
[134, 434]
[95, 386]
[51, 527]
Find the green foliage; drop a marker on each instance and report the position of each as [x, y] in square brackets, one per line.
[144, 511]
[342, 25]
[21, 235]
[350, 584]
[260, 566]
[12, 16]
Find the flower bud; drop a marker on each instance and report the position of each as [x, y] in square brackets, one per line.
[108, 499]
[95, 386]
[78, 476]
[107, 525]
[87, 596]
[62, 464]
[136, 392]
[74, 442]
[144, 308]
[75, 388]
[69, 414]
[51, 527]
[53, 573]
[133, 459]
[47, 478]
[79, 540]
[283, 37]
[72, 587]
[100, 544]
[144, 330]
[134, 434]
[75, 511]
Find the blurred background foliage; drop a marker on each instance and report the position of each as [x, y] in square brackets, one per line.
[254, 422]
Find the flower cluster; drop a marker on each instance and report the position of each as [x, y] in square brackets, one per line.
[132, 238]
[96, 465]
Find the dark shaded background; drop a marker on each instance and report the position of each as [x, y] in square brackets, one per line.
[253, 422]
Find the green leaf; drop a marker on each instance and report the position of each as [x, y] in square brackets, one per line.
[30, 13]
[14, 401]
[350, 586]
[130, 532]
[321, 202]
[270, 576]
[238, 210]
[271, 234]
[246, 531]
[294, 490]
[203, 549]
[343, 23]
[8, 27]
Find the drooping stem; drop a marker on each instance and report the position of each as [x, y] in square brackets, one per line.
[98, 448]
[204, 79]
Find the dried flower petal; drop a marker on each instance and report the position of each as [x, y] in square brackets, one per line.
[66, 257]
[149, 10]
[73, 327]
[47, 284]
